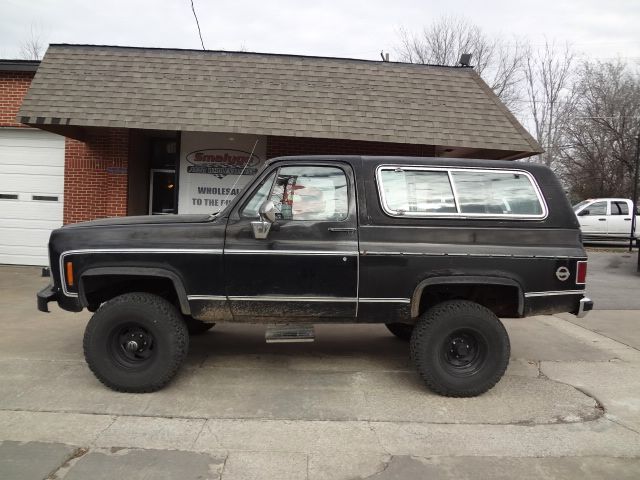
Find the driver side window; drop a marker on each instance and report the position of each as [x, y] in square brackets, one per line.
[598, 208]
[303, 193]
[252, 207]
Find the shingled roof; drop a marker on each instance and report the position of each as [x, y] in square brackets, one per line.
[237, 92]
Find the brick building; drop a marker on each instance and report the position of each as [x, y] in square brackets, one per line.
[172, 131]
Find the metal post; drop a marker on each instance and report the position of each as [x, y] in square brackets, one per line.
[635, 199]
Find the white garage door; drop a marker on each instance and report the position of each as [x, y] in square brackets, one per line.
[31, 188]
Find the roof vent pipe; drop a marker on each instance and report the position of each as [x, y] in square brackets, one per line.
[465, 60]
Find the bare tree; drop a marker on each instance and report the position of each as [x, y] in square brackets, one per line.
[548, 77]
[443, 41]
[33, 47]
[598, 160]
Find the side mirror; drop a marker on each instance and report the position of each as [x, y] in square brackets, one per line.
[267, 217]
[583, 213]
[268, 211]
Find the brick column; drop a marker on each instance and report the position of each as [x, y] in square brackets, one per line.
[13, 88]
[95, 176]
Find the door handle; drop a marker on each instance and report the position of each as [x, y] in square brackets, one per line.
[602, 219]
[627, 219]
[342, 229]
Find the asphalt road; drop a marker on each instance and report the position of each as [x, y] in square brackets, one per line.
[349, 405]
[613, 280]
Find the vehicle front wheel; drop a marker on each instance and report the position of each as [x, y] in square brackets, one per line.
[460, 348]
[136, 342]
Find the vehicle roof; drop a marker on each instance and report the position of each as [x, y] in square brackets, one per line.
[616, 199]
[355, 160]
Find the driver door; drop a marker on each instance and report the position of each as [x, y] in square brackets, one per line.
[593, 218]
[307, 266]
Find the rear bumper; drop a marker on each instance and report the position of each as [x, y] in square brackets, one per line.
[586, 305]
[46, 295]
[549, 303]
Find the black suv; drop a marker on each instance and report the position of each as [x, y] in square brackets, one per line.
[435, 248]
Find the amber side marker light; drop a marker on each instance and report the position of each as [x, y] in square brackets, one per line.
[70, 274]
[581, 274]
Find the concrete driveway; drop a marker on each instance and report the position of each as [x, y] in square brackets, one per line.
[347, 406]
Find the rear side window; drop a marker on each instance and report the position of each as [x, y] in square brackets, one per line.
[426, 192]
[417, 191]
[497, 193]
[619, 208]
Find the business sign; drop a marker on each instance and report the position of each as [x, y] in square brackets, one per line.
[214, 168]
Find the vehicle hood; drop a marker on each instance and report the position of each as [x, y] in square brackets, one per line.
[142, 220]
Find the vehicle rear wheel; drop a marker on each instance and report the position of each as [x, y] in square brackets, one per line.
[400, 330]
[460, 348]
[196, 327]
[136, 342]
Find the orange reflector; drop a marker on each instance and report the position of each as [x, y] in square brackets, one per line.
[70, 274]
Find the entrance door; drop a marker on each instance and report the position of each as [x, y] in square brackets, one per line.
[308, 264]
[162, 200]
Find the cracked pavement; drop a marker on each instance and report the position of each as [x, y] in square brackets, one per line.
[347, 406]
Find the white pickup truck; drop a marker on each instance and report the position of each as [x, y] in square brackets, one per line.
[606, 217]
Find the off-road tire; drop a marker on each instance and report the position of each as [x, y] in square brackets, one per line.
[433, 343]
[401, 330]
[196, 327]
[116, 366]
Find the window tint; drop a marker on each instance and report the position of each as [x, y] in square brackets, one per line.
[252, 207]
[598, 208]
[419, 191]
[619, 208]
[501, 193]
[311, 193]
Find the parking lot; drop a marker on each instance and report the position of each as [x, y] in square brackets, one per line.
[347, 406]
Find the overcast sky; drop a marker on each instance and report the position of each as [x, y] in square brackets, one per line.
[342, 28]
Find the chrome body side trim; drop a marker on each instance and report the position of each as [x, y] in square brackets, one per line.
[475, 255]
[219, 298]
[291, 252]
[284, 298]
[385, 300]
[554, 293]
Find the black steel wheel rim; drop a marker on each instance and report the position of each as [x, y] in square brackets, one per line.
[132, 346]
[463, 352]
